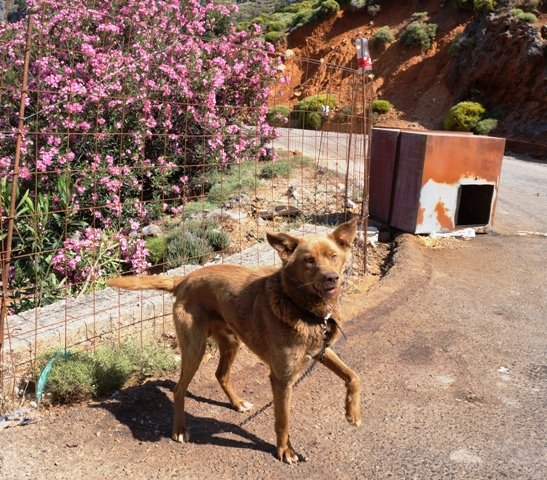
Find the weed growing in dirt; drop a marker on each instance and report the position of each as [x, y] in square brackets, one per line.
[275, 170]
[419, 33]
[382, 36]
[186, 248]
[460, 44]
[523, 16]
[484, 127]
[381, 106]
[81, 375]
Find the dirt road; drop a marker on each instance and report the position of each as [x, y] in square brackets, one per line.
[451, 350]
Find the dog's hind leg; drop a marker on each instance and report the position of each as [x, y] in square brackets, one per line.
[192, 344]
[352, 381]
[228, 345]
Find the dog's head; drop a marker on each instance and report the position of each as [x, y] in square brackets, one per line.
[314, 264]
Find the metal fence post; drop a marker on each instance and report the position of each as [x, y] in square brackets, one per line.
[6, 248]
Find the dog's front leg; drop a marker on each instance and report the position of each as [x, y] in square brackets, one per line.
[282, 392]
[353, 384]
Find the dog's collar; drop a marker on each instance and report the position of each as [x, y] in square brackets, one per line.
[311, 317]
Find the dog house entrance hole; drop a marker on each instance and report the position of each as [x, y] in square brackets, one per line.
[474, 205]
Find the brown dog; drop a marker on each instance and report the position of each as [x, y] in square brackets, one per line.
[284, 316]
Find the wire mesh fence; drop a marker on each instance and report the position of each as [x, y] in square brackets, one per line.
[107, 166]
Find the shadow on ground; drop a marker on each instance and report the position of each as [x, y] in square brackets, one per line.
[133, 406]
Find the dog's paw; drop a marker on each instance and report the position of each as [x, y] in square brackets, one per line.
[181, 437]
[354, 418]
[244, 406]
[287, 455]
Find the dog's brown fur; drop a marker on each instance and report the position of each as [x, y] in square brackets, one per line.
[276, 313]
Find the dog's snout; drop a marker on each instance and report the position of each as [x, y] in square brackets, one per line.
[331, 277]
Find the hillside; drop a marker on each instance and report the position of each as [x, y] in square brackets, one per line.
[505, 69]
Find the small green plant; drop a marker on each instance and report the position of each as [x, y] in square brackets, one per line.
[343, 114]
[80, 376]
[72, 379]
[460, 44]
[197, 207]
[278, 116]
[156, 249]
[273, 37]
[275, 26]
[485, 126]
[328, 8]
[112, 369]
[464, 116]
[373, 10]
[478, 6]
[420, 16]
[382, 36]
[275, 169]
[418, 33]
[523, 16]
[211, 231]
[381, 106]
[186, 248]
[308, 111]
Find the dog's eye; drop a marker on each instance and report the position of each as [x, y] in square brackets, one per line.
[310, 260]
[334, 256]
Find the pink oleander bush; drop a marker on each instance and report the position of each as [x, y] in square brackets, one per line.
[127, 100]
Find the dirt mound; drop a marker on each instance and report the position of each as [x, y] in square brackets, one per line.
[505, 70]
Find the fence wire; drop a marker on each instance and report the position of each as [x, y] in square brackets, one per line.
[87, 195]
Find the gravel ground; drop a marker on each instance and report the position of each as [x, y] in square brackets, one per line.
[450, 346]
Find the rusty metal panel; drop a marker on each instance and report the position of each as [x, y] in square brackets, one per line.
[382, 169]
[410, 164]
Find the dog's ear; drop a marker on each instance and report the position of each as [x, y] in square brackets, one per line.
[284, 243]
[344, 234]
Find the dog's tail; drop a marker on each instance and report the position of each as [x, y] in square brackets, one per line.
[169, 283]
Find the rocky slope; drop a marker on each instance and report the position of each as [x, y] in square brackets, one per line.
[505, 69]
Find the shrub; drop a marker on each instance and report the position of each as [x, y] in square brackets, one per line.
[275, 169]
[150, 359]
[373, 10]
[303, 17]
[131, 67]
[419, 34]
[275, 27]
[308, 111]
[278, 116]
[420, 16]
[273, 37]
[464, 116]
[460, 44]
[484, 6]
[478, 6]
[524, 16]
[343, 114]
[72, 379]
[80, 376]
[382, 36]
[186, 248]
[328, 8]
[464, 4]
[156, 249]
[211, 232]
[484, 127]
[113, 367]
[381, 106]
